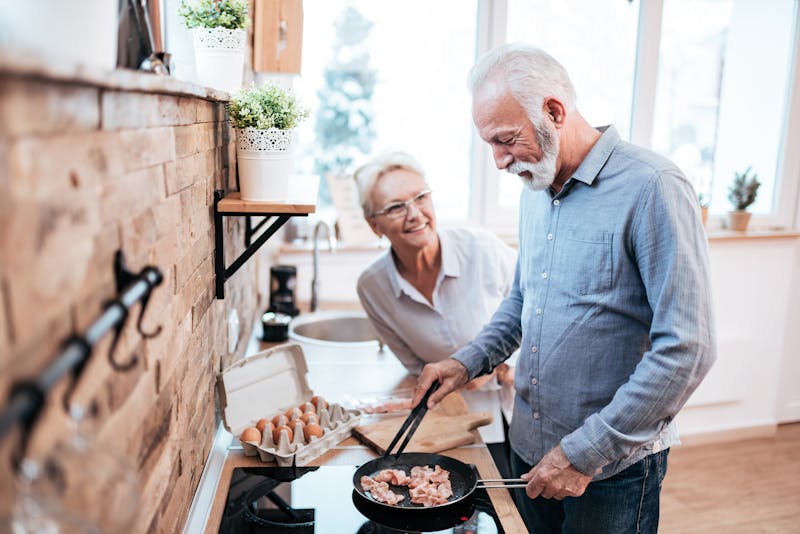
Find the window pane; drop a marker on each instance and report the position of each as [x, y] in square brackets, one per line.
[600, 58]
[420, 102]
[723, 76]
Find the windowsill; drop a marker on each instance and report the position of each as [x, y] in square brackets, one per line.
[728, 235]
[15, 64]
[713, 235]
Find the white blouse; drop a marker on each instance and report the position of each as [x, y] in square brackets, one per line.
[476, 275]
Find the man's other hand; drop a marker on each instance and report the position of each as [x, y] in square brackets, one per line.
[555, 477]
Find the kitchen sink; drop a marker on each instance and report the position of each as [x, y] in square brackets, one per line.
[333, 328]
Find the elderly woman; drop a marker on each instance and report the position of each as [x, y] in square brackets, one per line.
[433, 290]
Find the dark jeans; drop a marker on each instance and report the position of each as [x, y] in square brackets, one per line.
[626, 503]
[501, 453]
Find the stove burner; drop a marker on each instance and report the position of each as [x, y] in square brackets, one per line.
[276, 500]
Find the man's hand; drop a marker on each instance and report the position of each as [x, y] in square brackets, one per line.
[555, 478]
[451, 375]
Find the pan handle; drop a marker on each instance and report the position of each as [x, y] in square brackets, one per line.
[508, 483]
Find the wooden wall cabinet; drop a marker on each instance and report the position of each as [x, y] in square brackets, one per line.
[277, 36]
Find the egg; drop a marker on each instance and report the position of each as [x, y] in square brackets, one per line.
[312, 429]
[308, 407]
[309, 417]
[280, 420]
[251, 434]
[276, 434]
[319, 402]
[261, 424]
[293, 413]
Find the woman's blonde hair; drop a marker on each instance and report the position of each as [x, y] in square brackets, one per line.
[368, 174]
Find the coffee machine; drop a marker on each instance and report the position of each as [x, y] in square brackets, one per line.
[283, 279]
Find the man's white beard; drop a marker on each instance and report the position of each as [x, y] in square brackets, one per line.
[543, 172]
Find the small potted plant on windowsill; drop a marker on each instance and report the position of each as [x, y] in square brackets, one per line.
[265, 118]
[219, 40]
[742, 193]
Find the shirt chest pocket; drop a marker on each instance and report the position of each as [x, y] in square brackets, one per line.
[585, 261]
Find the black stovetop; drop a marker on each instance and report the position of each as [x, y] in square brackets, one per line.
[321, 500]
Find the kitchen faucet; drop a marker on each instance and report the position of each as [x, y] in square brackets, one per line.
[331, 244]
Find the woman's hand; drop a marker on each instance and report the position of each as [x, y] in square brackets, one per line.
[505, 374]
[451, 375]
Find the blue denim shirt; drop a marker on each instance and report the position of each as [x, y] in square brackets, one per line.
[611, 307]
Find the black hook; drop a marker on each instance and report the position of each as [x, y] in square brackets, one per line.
[124, 278]
[82, 345]
[154, 333]
[117, 332]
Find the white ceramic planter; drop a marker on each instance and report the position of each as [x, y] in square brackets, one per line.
[219, 57]
[265, 163]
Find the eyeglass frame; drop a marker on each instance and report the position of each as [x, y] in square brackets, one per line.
[423, 196]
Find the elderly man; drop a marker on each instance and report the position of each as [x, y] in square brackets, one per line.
[611, 303]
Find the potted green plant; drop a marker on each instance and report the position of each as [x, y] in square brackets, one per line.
[742, 193]
[219, 40]
[265, 118]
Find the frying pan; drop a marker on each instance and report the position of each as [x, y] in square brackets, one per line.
[463, 479]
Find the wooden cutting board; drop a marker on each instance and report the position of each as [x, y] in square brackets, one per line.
[436, 432]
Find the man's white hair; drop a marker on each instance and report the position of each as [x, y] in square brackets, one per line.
[530, 73]
[368, 174]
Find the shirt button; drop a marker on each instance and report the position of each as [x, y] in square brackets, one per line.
[538, 311]
[534, 349]
[549, 237]
[556, 202]
[544, 275]
[534, 381]
[536, 415]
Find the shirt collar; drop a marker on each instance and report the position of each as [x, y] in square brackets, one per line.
[596, 158]
[450, 266]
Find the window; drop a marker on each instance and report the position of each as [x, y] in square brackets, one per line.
[599, 58]
[708, 83]
[393, 77]
[724, 71]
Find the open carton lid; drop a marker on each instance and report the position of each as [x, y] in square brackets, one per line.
[262, 384]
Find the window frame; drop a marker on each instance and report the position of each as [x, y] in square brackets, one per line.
[485, 208]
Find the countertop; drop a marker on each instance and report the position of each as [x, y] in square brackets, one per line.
[367, 373]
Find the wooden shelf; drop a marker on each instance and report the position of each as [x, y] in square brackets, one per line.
[302, 191]
[233, 203]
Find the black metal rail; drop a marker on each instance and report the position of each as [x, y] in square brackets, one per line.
[27, 397]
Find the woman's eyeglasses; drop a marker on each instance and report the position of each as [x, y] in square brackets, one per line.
[400, 209]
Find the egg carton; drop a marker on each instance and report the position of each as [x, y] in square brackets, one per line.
[336, 422]
[272, 382]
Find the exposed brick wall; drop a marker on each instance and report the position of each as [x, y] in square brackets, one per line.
[85, 171]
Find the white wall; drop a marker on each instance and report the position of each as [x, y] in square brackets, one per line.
[754, 282]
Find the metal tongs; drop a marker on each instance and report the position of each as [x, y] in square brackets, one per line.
[413, 420]
[412, 423]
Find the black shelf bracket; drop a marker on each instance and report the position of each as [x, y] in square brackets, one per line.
[272, 221]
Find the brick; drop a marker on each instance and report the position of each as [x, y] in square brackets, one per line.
[146, 147]
[33, 108]
[187, 110]
[127, 110]
[52, 249]
[138, 235]
[46, 168]
[128, 195]
[183, 172]
[98, 284]
[194, 138]
[5, 328]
